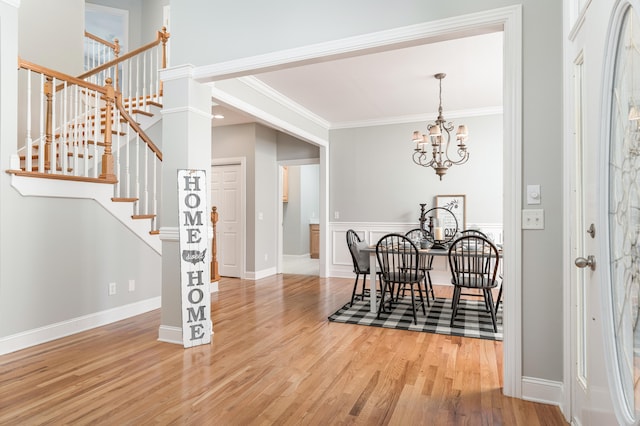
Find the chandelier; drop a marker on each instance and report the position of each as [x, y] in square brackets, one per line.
[432, 150]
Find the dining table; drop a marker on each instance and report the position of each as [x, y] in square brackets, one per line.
[373, 268]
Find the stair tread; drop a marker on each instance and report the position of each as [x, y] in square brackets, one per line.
[123, 200]
[139, 111]
[143, 216]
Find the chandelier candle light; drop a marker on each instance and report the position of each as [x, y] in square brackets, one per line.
[438, 132]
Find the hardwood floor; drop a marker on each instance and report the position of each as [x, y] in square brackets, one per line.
[275, 359]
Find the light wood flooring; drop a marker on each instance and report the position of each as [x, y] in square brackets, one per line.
[275, 359]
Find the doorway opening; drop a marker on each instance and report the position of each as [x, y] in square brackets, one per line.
[299, 208]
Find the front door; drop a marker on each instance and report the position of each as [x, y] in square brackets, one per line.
[605, 211]
[226, 193]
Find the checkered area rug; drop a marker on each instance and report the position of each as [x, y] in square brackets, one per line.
[472, 319]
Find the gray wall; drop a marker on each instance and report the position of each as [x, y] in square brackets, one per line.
[268, 27]
[291, 148]
[55, 46]
[266, 207]
[401, 184]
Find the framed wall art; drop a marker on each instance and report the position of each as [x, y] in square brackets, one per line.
[457, 205]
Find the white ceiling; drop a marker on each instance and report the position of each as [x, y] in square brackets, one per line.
[394, 86]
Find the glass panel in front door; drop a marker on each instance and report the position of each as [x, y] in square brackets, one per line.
[624, 208]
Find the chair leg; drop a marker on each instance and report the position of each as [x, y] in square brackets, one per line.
[430, 288]
[413, 306]
[499, 298]
[364, 285]
[454, 304]
[355, 288]
[381, 305]
[489, 301]
[486, 304]
[424, 311]
[386, 287]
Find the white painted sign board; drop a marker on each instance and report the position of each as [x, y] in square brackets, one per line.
[194, 258]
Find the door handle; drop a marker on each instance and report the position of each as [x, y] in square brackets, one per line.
[590, 261]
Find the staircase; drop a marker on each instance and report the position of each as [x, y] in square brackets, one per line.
[90, 130]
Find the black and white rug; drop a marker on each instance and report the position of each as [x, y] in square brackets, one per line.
[472, 319]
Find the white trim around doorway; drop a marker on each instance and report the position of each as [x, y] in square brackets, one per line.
[241, 161]
[509, 19]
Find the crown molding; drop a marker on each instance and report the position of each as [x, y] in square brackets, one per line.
[264, 117]
[416, 118]
[13, 3]
[178, 72]
[377, 41]
[288, 103]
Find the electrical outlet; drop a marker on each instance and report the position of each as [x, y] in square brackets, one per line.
[336, 215]
[132, 285]
[112, 289]
[533, 219]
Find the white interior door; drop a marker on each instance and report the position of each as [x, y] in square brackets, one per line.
[226, 195]
[579, 289]
[605, 215]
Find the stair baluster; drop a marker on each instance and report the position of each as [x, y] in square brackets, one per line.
[76, 113]
[28, 139]
[107, 156]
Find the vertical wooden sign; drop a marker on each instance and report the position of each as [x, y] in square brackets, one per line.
[194, 258]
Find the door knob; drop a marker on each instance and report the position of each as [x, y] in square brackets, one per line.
[590, 261]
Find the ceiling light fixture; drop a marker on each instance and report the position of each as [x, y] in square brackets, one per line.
[438, 157]
[218, 116]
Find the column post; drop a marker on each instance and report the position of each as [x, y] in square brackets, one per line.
[186, 144]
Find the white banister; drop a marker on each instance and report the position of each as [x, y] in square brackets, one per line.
[137, 177]
[95, 131]
[146, 181]
[29, 140]
[53, 169]
[76, 130]
[144, 81]
[127, 168]
[63, 130]
[155, 186]
[42, 130]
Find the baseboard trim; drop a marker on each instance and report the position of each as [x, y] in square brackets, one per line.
[169, 334]
[261, 274]
[61, 329]
[543, 391]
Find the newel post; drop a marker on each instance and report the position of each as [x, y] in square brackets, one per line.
[48, 133]
[116, 53]
[164, 36]
[107, 157]
[214, 250]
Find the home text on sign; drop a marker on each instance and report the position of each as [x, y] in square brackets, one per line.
[194, 262]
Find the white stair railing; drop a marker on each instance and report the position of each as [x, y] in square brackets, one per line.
[136, 74]
[75, 119]
[61, 110]
[98, 51]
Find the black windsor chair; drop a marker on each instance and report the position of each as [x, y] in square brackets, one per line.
[425, 262]
[474, 265]
[399, 260]
[360, 261]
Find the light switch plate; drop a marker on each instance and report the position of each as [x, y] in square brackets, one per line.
[533, 219]
[533, 194]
